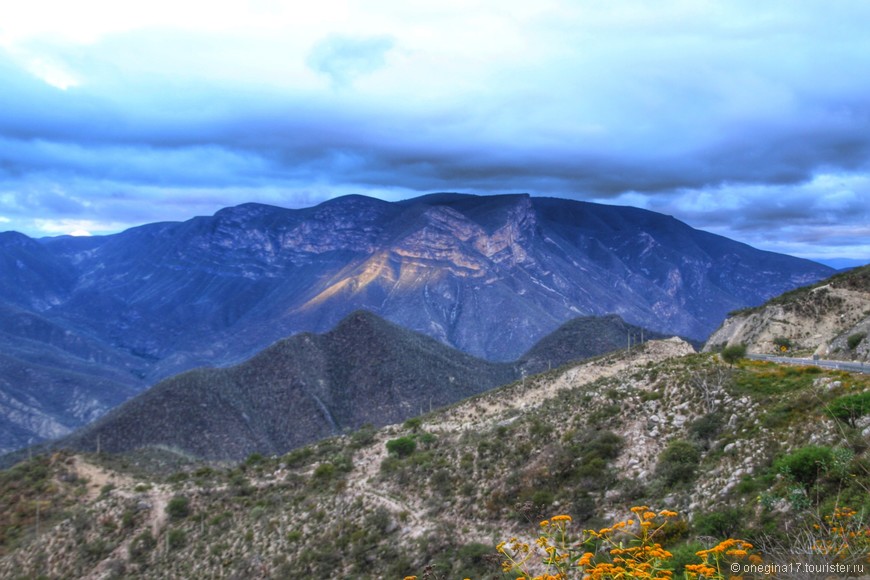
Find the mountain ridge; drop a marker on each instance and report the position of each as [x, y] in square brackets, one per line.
[307, 387]
[487, 275]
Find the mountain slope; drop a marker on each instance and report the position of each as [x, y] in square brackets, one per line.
[581, 338]
[53, 380]
[299, 390]
[736, 451]
[466, 270]
[829, 319]
[487, 275]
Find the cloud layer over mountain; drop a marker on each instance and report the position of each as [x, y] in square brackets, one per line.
[752, 121]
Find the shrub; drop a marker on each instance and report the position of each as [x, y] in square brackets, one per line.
[363, 436]
[403, 446]
[678, 462]
[141, 546]
[855, 339]
[413, 424]
[178, 507]
[176, 539]
[732, 354]
[850, 407]
[806, 464]
[298, 457]
[707, 428]
[473, 559]
[719, 523]
[542, 498]
[324, 472]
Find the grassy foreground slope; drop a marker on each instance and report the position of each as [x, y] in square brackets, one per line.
[755, 451]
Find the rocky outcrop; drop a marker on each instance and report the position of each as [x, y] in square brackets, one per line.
[830, 319]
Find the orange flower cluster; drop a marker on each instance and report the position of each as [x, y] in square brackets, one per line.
[843, 535]
[715, 558]
[626, 550]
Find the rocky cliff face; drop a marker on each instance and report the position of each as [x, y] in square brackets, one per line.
[487, 275]
[830, 319]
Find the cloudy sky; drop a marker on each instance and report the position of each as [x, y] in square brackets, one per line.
[749, 119]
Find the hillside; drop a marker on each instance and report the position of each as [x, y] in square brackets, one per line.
[755, 451]
[301, 389]
[487, 275]
[581, 338]
[53, 380]
[829, 319]
[308, 387]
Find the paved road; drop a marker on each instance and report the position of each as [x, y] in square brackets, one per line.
[853, 367]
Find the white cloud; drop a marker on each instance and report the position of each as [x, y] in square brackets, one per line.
[74, 227]
[52, 73]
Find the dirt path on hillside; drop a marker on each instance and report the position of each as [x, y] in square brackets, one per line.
[530, 393]
[97, 477]
[155, 498]
[367, 466]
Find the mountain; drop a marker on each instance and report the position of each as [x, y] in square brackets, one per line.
[299, 390]
[53, 379]
[753, 451]
[829, 319]
[309, 387]
[487, 275]
[581, 338]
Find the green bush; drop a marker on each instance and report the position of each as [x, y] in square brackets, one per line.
[473, 560]
[413, 424]
[707, 427]
[732, 354]
[720, 524]
[178, 507]
[254, 459]
[363, 436]
[403, 446]
[141, 546]
[542, 498]
[176, 539]
[678, 463]
[855, 339]
[850, 407]
[806, 464]
[324, 472]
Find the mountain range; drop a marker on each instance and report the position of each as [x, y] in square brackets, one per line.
[365, 371]
[89, 321]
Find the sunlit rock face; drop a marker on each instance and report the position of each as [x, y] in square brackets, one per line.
[487, 275]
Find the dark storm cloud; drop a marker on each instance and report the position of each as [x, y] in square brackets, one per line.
[739, 118]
